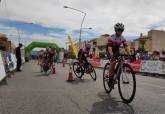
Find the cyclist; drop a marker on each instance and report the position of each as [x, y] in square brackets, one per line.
[52, 55]
[113, 47]
[45, 56]
[40, 56]
[84, 54]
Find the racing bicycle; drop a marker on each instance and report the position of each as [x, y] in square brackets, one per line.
[79, 69]
[124, 77]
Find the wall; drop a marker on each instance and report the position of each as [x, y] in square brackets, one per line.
[148, 45]
[158, 40]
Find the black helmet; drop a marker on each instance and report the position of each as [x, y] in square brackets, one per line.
[20, 44]
[119, 27]
[88, 47]
[47, 48]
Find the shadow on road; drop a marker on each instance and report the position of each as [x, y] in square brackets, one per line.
[77, 81]
[110, 105]
[3, 82]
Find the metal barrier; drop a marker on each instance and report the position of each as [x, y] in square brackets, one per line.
[2, 66]
[7, 64]
[146, 66]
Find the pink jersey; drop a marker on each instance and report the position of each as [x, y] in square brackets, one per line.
[115, 42]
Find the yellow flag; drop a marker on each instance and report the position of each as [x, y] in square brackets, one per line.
[75, 50]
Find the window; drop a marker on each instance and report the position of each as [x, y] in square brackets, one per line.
[95, 43]
[94, 49]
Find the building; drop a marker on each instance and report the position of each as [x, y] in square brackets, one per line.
[143, 42]
[98, 45]
[154, 41]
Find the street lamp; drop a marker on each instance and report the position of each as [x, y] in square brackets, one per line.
[86, 28]
[81, 21]
[19, 36]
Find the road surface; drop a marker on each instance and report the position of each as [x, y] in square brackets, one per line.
[29, 92]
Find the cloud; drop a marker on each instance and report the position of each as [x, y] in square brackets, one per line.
[13, 35]
[43, 38]
[101, 14]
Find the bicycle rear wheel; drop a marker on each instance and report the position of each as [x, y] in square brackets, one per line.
[46, 69]
[92, 72]
[127, 83]
[78, 71]
[106, 81]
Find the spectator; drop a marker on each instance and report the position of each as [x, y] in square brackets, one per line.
[18, 56]
[162, 56]
[64, 57]
[156, 55]
[138, 56]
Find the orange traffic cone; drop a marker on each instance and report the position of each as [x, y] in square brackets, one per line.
[54, 70]
[70, 76]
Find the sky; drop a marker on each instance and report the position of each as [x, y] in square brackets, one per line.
[48, 21]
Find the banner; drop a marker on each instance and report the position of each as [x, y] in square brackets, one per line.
[136, 65]
[95, 62]
[163, 68]
[14, 60]
[153, 67]
[2, 69]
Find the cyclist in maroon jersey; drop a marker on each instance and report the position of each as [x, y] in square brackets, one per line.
[113, 45]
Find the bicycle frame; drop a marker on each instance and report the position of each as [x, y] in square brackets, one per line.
[118, 67]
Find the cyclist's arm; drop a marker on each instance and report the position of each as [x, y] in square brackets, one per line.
[109, 47]
[126, 47]
[110, 52]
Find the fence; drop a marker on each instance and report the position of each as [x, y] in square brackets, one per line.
[147, 66]
[7, 63]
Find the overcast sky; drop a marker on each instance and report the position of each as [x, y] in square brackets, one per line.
[139, 16]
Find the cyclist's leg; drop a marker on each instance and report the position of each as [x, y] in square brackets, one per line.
[112, 51]
[111, 68]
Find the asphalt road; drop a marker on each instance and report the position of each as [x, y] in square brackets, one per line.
[30, 92]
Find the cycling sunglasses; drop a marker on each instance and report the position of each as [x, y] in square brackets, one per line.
[120, 30]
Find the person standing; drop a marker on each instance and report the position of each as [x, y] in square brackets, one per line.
[18, 56]
[64, 57]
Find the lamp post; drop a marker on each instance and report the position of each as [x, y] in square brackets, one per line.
[87, 28]
[18, 31]
[81, 21]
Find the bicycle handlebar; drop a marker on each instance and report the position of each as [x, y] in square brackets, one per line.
[131, 57]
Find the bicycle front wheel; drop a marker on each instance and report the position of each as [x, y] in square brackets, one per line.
[106, 81]
[78, 71]
[127, 83]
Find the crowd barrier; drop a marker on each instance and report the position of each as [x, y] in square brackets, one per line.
[147, 66]
[2, 68]
[7, 63]
[153, 67]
